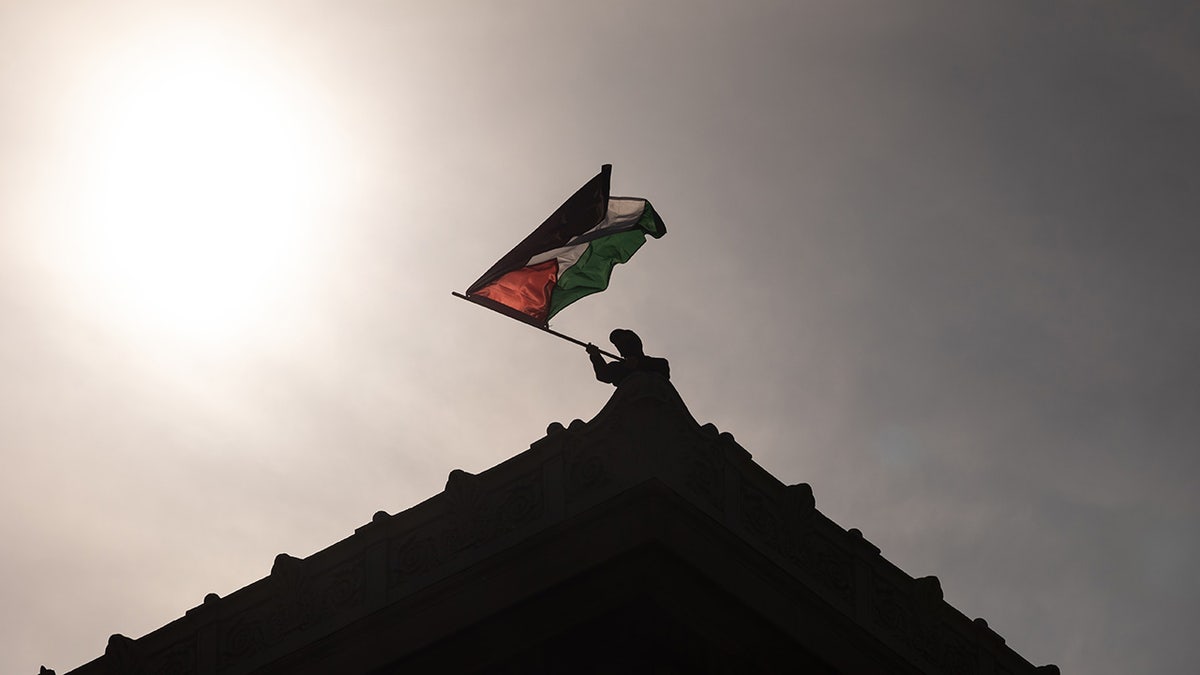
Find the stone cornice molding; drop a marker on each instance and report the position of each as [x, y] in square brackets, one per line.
[644, 436]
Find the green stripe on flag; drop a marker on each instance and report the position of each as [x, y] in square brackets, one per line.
[592, 271]
[650, 222]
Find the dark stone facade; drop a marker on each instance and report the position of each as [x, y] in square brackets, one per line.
[639, 542]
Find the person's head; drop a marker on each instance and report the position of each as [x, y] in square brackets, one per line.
[627, 342]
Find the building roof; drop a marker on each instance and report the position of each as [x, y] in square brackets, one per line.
[640, 528]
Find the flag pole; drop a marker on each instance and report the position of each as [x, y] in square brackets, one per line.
[513, 314]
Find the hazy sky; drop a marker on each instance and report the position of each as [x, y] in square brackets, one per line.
[937, 259]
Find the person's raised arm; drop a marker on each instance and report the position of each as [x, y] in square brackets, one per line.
[598, 363]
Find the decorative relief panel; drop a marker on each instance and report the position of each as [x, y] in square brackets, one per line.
[806, 549]
[128, 657]
[912, 621]
[178, 659]
[587, 467]
[704, 473]
[299, 601]
[474, 514]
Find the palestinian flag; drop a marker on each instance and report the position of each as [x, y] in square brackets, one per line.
[570, 255]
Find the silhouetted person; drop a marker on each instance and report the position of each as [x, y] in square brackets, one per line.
[629, 345]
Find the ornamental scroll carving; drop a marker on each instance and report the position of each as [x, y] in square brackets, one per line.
[473, 513]
[587, 467]
[298, 602]
[785, 533]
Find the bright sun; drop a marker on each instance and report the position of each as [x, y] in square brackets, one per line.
[204, 174]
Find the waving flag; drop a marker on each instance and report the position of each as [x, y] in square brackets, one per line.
[570, 255]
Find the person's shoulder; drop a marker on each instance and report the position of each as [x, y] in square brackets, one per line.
[658, 365]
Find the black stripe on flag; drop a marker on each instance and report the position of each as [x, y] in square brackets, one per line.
[580, 213]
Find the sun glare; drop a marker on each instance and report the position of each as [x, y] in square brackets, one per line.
[204, 179]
